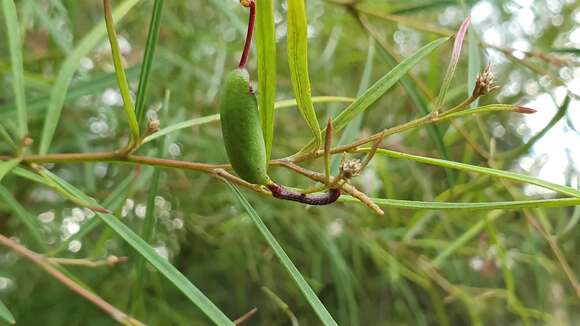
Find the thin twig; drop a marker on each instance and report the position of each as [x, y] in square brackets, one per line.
[39, 260]
[108, 262]
[246, 316]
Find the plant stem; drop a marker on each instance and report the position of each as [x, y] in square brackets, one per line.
[39, 260]
[249, 34]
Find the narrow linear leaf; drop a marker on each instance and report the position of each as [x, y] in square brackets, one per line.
[455, 54]
[150, 47]
[29, 220]
[467, 236]
[376, 91]
[15, 45]
[575, 51]
[481, 170]
[67, 70]
[121, 77]
[54, 182]
[89, 87]
[419, 100]
[353, 128]
[474, 63]
[216, 117]
[162, 265]
[445, 206]
[298, 62]
[6, 314]
[7, 166]
[306, 290]
[266, 46]
[148, 230]
[6, 137]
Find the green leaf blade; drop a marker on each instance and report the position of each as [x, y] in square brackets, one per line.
[121, 77]
[306, 290]
[266, 46]
[376, 91]
[482, 170]
[298, 62]
[15, 45]
[450, 206]
[66, 73]
[162, 265]
[456, 53]
[6, 314]
[150, 47]
[7, 166]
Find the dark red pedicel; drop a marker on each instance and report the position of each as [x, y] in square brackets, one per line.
[523, 109]
[281, 192]
[246, 53]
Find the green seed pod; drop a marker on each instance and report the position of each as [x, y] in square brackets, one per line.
[242, 132]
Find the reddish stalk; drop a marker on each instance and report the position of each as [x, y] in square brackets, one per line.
[282, 192]
[252, 5]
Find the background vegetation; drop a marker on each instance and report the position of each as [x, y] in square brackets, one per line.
[512, 260]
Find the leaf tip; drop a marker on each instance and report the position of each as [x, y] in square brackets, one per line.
[525, 110]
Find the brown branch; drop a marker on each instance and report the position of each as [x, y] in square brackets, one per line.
[39, 260]
[108, 262]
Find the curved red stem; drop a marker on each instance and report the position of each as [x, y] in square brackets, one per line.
[284, 193]
[249, 34]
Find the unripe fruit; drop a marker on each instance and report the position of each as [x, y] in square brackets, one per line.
[242, 132]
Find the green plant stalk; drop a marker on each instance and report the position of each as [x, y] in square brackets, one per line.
[298, 62]
[151, 46]
[15, 45]
[266, 46]
[121, 77]
[58, 94]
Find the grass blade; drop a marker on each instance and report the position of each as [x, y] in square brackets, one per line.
[266, 46]
[309, 294]
[298, 62]
[481, 170]
[216, 117]
[163, 266]
[150, 47]
[6, 314]
[353, 128]
[457, 45]
[15, 44]
[474, 63]
[376, 91]
[67, 70]
[420, 101]
[447, 206]
[92, 86]
[7, 166]
[23, 215]
[121, 77]
[137, 300]
[6, 137]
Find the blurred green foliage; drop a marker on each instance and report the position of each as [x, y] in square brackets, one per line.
[367, 270]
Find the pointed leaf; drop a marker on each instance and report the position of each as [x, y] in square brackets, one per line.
[6, 314]
[162, 265]
[298, 61]
[7, 166]
[67, 70]
[457, 45]
[121, 77]
[150, 47]
[15, 45]
[306, 290]
[266, 46]
[377, 90]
